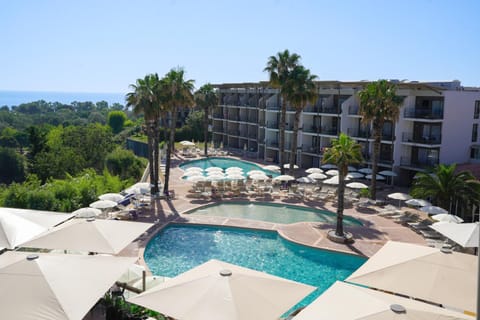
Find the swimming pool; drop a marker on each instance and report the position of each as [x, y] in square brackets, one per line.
[271, 212]
[179, 248]
[225, 163]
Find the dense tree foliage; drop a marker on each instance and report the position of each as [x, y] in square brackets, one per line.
[12, 166]
[124, 164]
[116, 120]
[61, 195]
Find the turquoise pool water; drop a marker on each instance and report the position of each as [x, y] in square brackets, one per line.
[225, 163]
[271, 212]
[179, 248]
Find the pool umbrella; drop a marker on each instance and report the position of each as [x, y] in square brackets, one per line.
[439, 276]
[400, 196]
[367, 304]
[356, 185]
[379, 177]
[445, 217]
[387, 173]
[272, 167]
[355, 175]
[90, 235]
[284, 177]
[287, 166]
[235, 176]
[252, 172]
[259, 177]
[193, 173]
[116, 197]
[210, 169]
[317, 176]
[186, 143]
[314, 170]
[196, 178]
[55, 287]
[194, 169]
[216, 174]
[433, 210]
[332, 172]
[418, 202]
[305, 180]
[103, 204]
[365, 171]
[334, 180]
[215, 177]
[328, 166]
[234, 169]
[219, 290]
[87, 212]
[20, 225]
[351, 169]
[138, 188]
[465, 234]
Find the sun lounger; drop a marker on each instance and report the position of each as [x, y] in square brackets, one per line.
[430, 234]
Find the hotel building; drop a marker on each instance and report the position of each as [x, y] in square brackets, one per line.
[438, 123]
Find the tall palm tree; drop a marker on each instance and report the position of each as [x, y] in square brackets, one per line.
[378, 103]
[206, 98]
[144, 98]
[177, 92]
[301, 90]
[343, 152]
[447, 188]
[279, 68]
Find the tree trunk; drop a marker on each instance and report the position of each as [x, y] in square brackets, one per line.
[205, 123]
[377, 136]
[281, 135]
[156, 156]
[151, 162]
[171, 145]
[341, 197]
[293, 152]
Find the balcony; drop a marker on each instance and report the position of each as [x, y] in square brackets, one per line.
[429, 139]
[233, 132]
[253, 119]
[272, 125]
[217, 129]
[252, 135]
[418, 163]
[272, 144]
[273, 106]
[233, 117]
[431, 114]
[359, 133]
[311, 129]
[311, 149]
[312, 109]
[328, 130]
[218, 115]
[242, 119]
[330, 110]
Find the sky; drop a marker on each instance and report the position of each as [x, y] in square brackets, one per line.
[104, 46]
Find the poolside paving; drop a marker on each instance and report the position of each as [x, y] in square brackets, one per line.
[369, 237]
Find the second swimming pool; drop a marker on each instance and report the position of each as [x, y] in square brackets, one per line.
[271, 212]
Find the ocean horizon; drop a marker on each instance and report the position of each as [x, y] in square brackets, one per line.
[12, 98]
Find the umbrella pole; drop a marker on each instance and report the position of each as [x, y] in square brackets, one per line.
[144, 280]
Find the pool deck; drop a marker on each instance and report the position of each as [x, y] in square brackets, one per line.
[369, 238]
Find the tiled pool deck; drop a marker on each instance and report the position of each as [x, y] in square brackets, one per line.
[369, 238]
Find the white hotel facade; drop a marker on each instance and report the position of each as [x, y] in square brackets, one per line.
[438, 124]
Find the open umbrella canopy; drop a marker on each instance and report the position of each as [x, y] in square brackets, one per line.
[387, 173]
[219, 290]
[379, 177]
[210, 169]
[433, 210]
[272, 167]
[314, 170]
[445, 217]
[422, 272]
[366, 170]
[418, 202]
[305, 180]
[194, 169]
[193, 173]
[103, 204]
[355, 175]
[334, 180]
[20, 225]
[317, 176]
[356, 185]
[332, 172]
[138, 188]
[351, 169]
[87, 212]
[465, 234]
[399, 196]
[235, 176]
[328, 166]
[196, 178]
[48, 286]
[259, 177]
[116, 197]
[234, 169]
[252, 172]
[284, 177]
[367, 304]
[187, 143]
[102, 236]
[287, 166]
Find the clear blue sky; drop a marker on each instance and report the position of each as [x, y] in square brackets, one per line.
[103, 46]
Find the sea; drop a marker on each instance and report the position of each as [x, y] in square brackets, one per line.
[15, 98]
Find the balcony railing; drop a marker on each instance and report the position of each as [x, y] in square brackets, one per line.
[273, 106]
[311, 129]
[330, 110]
[272, 125]
[358, 133]
[328, 130]
[311, 149]
[218, 115]
[252, 135]
[253, 119]
[273, 144]
[429, 139]
[417, 163]
[388, 136]
[423, 114]
[233, 117]
[312, 109]
[234, 132]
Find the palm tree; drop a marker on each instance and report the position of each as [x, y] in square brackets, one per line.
[144, 98]
[378, 103]
[177, 92]
[343, 152]
[206, 97]
[279, 68]
[447, 188]
[300, 90]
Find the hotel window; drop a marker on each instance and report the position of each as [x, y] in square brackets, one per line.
[474, 132]
[476, 113]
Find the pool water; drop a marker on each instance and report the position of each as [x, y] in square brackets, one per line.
[179, 248]
[225, 163]
[271, 212]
